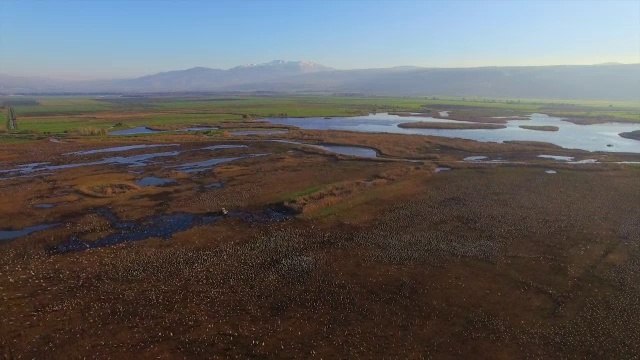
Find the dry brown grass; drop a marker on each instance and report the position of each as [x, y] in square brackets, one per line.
[418, 146]
[107, 190]
[503, 263]
[349, 191]
[90, 131]
[393, 261]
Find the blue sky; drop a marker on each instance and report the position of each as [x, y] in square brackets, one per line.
[103, 39]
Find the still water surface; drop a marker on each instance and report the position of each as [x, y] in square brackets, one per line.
[599, 137]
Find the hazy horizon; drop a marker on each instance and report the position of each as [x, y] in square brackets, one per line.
[332, 68]
[98, 40]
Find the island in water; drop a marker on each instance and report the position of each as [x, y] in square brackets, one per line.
[449, 126]
[635, 135]
[540, 128]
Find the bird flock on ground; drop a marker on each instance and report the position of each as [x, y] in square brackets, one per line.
[360, 291]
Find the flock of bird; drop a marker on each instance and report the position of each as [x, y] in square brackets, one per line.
[300, 291]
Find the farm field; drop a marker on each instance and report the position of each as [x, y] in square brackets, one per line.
[293, 243]
[60, 114]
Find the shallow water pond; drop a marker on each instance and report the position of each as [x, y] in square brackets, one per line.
[441, 169]
[164, 226]
[135, 131]
[598, 137]
[44, 206]
[154, 181]
[198, 166]
[215, 185]
[557, 157]
[200, 128]
[475, 158]
[145, 130]
[224, 146]
[133, 161]
[350, 150]
[119, 149]
[360, 151]
[14, 234]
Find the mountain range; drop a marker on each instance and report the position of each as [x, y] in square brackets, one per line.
[603, 81]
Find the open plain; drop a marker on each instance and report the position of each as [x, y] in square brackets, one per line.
[247, 239]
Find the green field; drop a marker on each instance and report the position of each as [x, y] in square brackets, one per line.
[60, 114]
[3, 119]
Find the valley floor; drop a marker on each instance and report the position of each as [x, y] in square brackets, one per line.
[286, 250]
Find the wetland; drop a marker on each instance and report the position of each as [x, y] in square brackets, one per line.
[341, 237]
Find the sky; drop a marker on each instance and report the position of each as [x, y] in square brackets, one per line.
[117, 39]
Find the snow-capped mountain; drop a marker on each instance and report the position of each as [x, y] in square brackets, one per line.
[293, 66]
[604, 81]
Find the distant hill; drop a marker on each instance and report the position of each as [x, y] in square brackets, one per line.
[602, 81]
[560, 82]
